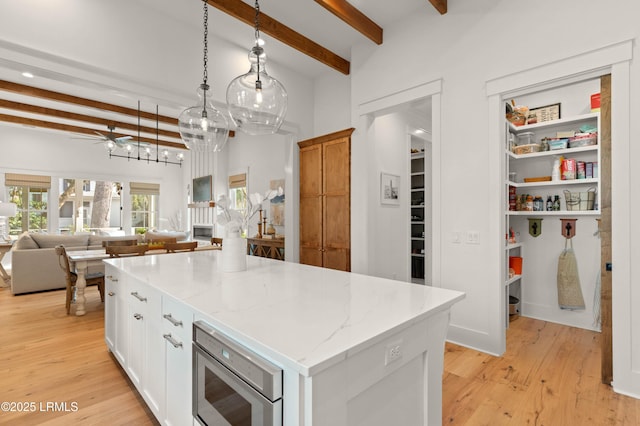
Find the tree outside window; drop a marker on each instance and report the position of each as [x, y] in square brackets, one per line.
[88, 205]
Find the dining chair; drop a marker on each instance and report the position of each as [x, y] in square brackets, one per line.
[216, 242]
[95, 278]
[128, 242]
[119, 251]
[181, 246]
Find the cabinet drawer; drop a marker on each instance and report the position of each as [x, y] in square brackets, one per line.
[176, 319]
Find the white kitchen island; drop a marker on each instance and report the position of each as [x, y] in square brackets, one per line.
[355, 350]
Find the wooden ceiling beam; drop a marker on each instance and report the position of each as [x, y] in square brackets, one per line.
[62, 97]
[77, 129]
[354, 17]
[246, 13]
[440, 5]
[34, 109]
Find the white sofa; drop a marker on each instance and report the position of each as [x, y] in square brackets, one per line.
[34, 262]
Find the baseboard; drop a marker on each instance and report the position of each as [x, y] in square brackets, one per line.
[472, 339]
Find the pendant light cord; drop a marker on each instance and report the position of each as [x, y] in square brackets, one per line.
[258, 48]
[256, 22]
[205, 76]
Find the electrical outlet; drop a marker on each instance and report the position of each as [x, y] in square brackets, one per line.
[393, 352]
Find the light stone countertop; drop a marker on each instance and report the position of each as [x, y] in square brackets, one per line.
[303, 317]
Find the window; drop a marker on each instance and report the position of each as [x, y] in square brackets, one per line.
[30, 194]
[144, 205]
[238, 192]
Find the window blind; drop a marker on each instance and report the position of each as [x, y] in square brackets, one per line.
[142, 188]
[238, 181]
[35, 181]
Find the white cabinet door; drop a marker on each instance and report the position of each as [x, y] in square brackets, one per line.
[110, 302]
[116, 328]
[137, 350]
[145, 363]
[121, 319]
[153, 381]
[176, 327]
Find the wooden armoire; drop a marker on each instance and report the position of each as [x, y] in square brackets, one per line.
[325, 200]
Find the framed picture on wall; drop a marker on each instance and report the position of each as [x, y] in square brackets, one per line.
[202, 189]
[389, 189]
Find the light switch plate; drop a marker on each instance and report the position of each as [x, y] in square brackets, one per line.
[473, 237]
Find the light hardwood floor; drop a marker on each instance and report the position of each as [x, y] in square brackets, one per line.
[47, 356]
[550, 374]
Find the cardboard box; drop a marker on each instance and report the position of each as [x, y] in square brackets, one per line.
[595, 102]
[568, 169]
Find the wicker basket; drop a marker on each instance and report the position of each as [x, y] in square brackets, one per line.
[580, 200]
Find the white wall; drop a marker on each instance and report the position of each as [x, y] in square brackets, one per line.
[332, 107]
[263, 158]
[470, 45]
[390, 154]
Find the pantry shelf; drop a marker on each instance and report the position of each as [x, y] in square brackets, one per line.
[556, 213]
[592, 181]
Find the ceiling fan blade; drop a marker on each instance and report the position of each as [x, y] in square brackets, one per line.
[123, 138]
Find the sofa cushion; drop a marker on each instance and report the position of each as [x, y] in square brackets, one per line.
[179, 236]
[25, 242]
[52, 240]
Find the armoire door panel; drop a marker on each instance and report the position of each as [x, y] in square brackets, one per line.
[310, 256]
[337, 165]
[311, 171]
[311, 222]
[337, 259]
[336, 224]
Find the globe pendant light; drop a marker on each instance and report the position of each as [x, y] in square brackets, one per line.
[202, 127]
[256, 101]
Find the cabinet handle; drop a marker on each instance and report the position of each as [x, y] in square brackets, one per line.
[137, 316]
[111, 293]
[172, 320]
[137, 296]
[173, 341]
[110, 277]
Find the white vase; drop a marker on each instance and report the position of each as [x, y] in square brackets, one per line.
[234, 253]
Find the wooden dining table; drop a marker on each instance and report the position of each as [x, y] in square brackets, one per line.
[81, 260]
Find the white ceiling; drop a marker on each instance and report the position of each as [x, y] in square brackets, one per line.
[304, 16]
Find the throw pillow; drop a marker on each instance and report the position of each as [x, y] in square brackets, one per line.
[25, 242]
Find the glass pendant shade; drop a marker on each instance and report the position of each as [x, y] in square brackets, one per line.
[256, 101]
[202, 127]
[110, 146]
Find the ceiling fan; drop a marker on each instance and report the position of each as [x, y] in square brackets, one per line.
[108, 139]
[111, 137]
